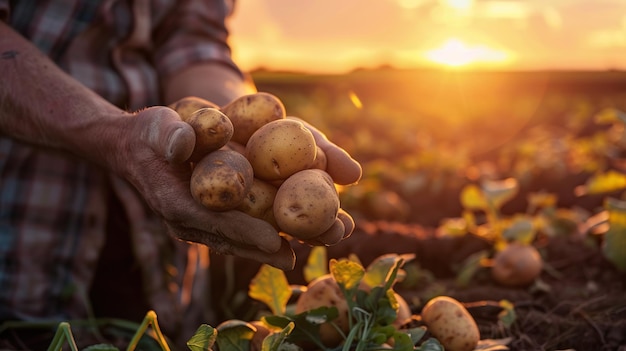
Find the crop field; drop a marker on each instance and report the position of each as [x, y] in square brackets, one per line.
[456, 164]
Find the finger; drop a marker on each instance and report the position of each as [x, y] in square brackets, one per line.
[344, 169]
[167, 134]
[333, 235]
[284, 258]
[348, 222]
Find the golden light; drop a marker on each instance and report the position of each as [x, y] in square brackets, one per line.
[460, 5]
[354, 98]
[456, 53]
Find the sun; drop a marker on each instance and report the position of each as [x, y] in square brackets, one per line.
[456, 53]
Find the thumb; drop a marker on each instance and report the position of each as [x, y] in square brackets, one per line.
[167, 134]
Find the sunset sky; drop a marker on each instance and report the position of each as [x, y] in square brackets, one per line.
[335, 36]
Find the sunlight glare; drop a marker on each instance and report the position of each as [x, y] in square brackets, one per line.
[455, 53]
[460, 5]
[354, 98]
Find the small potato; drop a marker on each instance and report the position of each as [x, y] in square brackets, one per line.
[259, 201]
[249, 112]
[306, 204]
[280, 148]
[213, 130]
[221, 180]
[517, 265]
[450, 322]
[324, 291]
[190, 104]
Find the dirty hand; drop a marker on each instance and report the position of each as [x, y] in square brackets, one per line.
[158, 145]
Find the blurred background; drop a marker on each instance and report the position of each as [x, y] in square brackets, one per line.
[433, 95]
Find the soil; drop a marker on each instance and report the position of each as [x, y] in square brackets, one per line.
[578, 302]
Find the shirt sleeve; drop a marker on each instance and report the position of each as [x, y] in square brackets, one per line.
[194, 31]
[4, 10]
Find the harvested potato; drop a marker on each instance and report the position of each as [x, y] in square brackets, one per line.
[259, 201]
[249, 112]
[262, 331]
[221, 180]
[213, 130]
[324, 291]
[190, 104]
[404, 311]
[306, 204]
[280, 148]
[517, 265]
[450, 322]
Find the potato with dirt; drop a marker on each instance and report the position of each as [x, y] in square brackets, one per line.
[190, 104]
[306, 204]
[213, 130]
[249, 112]
[281, 148]
[259, 201]
[450, 322]
[221, 180]
[517, 265]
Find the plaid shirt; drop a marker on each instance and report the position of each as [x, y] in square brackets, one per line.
[54, 207]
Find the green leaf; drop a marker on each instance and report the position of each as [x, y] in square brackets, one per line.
[431, 344]
[402, 341]
[416, 334]
[378, 271]
[470, 266]
[101, 347]
[273, 341]
[602, 183]
[307, 324]
[234, 335]
[347, 273]
[472, 198]
[614, 245]
[271, 287]
[507, 316]
[203, 339]
[316, 265]
[521, 229]
[498, 192]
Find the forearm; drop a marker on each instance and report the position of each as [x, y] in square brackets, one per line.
[40, 104]
[209, 80]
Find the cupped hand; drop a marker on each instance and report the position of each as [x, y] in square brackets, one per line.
[157, 146]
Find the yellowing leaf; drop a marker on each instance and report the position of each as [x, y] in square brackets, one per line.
[472, 198]
[271, 287]
[521, 229]
[316, 264]
[377, 272]
[604, 183]
[498, 192]
[347, 273]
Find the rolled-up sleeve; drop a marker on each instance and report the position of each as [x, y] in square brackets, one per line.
[194, 31]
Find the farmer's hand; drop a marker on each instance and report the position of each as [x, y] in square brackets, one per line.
[158, 146]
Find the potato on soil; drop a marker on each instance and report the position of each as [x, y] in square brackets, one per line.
[249, 112]
[450, 322]
[190, 104]
[259, 201]
[262, 331]
[517, 265]
[306, 204]
[324, 291]
[221, 180]
[281, 148]
[213, 130]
